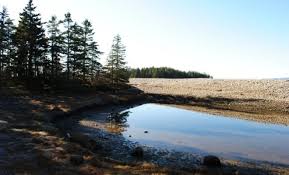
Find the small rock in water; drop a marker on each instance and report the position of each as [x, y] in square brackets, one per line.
[138, 152]
[146, 132]
[129, 136]
[211, 161]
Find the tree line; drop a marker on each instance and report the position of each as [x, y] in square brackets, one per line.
[165, 72]
[53, 50]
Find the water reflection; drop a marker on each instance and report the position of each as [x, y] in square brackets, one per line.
[184, 130]
[117, 121]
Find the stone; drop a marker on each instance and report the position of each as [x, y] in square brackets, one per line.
[76, 159]
[211, 161]
[146, 132]
[47, 154]
[85, 141]
[138, 152]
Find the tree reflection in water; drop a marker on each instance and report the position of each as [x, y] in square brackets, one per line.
[117, 121]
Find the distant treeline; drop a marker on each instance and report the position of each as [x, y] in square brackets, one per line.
[165, 72]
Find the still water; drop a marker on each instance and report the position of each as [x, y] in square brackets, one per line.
[188, 131]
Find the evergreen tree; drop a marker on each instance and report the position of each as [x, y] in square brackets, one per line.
[26, 53]
[6, 43]
[31, 43]
[68, 24]
[89, 52]
[84, 53]
[3, 16]
[116, 66]
[55, 48]
[76, 50]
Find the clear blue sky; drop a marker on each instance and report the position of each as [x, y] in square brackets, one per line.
[226, 38]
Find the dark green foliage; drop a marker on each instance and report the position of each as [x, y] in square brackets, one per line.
[43, 61]
[81, 50]
[118, 117]
[75, 51]
[65, 57]
[165, 72]
[116, 66]
[7, 50]
[31, 44]
[90, 52]
[55, 46]
[68, 24]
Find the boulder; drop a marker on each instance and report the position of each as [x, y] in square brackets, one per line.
[212, 161]
[138, 152]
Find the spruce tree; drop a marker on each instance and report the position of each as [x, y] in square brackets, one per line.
[55, 48]
[116, 65]
[75, 50]
[6, 43]
[89, 52]
[68, 24]
[3, 15]
[31, 43]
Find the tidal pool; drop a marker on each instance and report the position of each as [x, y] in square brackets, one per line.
[187, 131]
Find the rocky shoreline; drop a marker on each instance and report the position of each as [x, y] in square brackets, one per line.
[33, 142]
[116, 147]
[258, 100]
[181, 161]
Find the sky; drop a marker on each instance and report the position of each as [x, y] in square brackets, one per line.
[229, 39]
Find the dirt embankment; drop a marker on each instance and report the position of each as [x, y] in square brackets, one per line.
[30, 142]
[259, 100]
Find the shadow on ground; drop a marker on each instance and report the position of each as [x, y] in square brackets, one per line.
[250, 106]
[30, 143]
